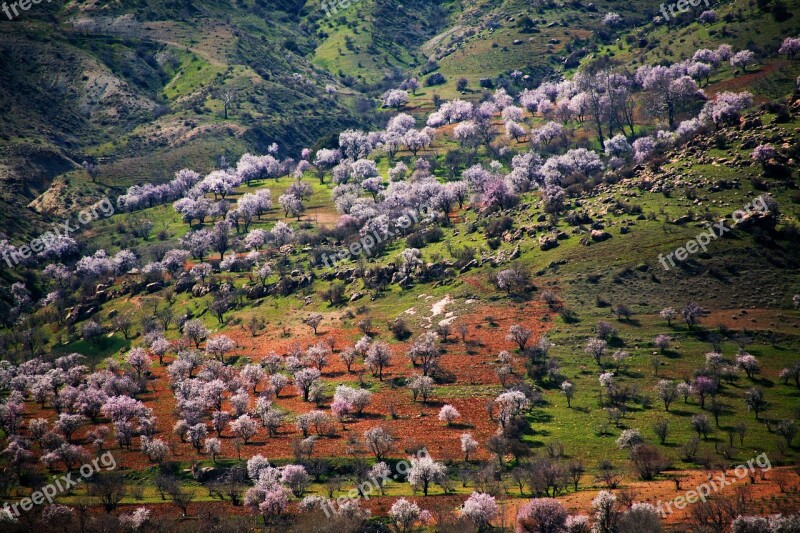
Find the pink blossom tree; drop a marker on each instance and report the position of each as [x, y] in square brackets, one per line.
[68, 424]
[708, 17]
[448, 414]
[195, 331]
[743, 59]
[379, 441]
[405, 515]
[252, 375]
[219, 346]
[704, 387]
[138, 359]
[669, 92]
[423, 471]
[244, 428]
[296, 478]
[394, 98]
[378, 357]
[468, 445]
[480, 509]
[425, 352]
[790, 47]
[568, 390]
[197, 434]
[763, 153]
[749, 364]
[305, 379]
[273, 504]
[541, 515]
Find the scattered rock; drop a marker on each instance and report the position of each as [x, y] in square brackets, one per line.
[547, 242]
[356, 296]
[600, 235]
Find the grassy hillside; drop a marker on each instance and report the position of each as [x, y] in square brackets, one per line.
[140, 88]
[744, 283]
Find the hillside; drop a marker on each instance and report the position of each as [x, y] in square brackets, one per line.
[140, 91]
[305, 294]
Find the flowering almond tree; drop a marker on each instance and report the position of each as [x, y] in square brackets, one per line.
[244, 427]
[468, 445]
[541, 515]
[378, 357]
[424, 471]
[304, 380]
[448, 414]
[405, 515]
[296, 478]
[568, 390]
[480, 509]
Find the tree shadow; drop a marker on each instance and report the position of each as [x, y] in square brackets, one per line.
[369, 416]
[615, 342]
[540, 417]
[670, 354]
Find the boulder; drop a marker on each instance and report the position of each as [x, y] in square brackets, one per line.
[750, 123]
[472, 264]
[547, 242]
[153, 287]
[79, 312]
[184, 283]
[198, 291]
[256, 291]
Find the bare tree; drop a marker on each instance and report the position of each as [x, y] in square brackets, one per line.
[181, 497]
[92, 169]
[313, 321]
[520, 335]
[123, 324]
[608, 474]
[109, 488]
[463, 329]
[228, 97]
[255, 325]
[576, 471]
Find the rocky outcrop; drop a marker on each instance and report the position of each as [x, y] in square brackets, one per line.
[547, 242]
